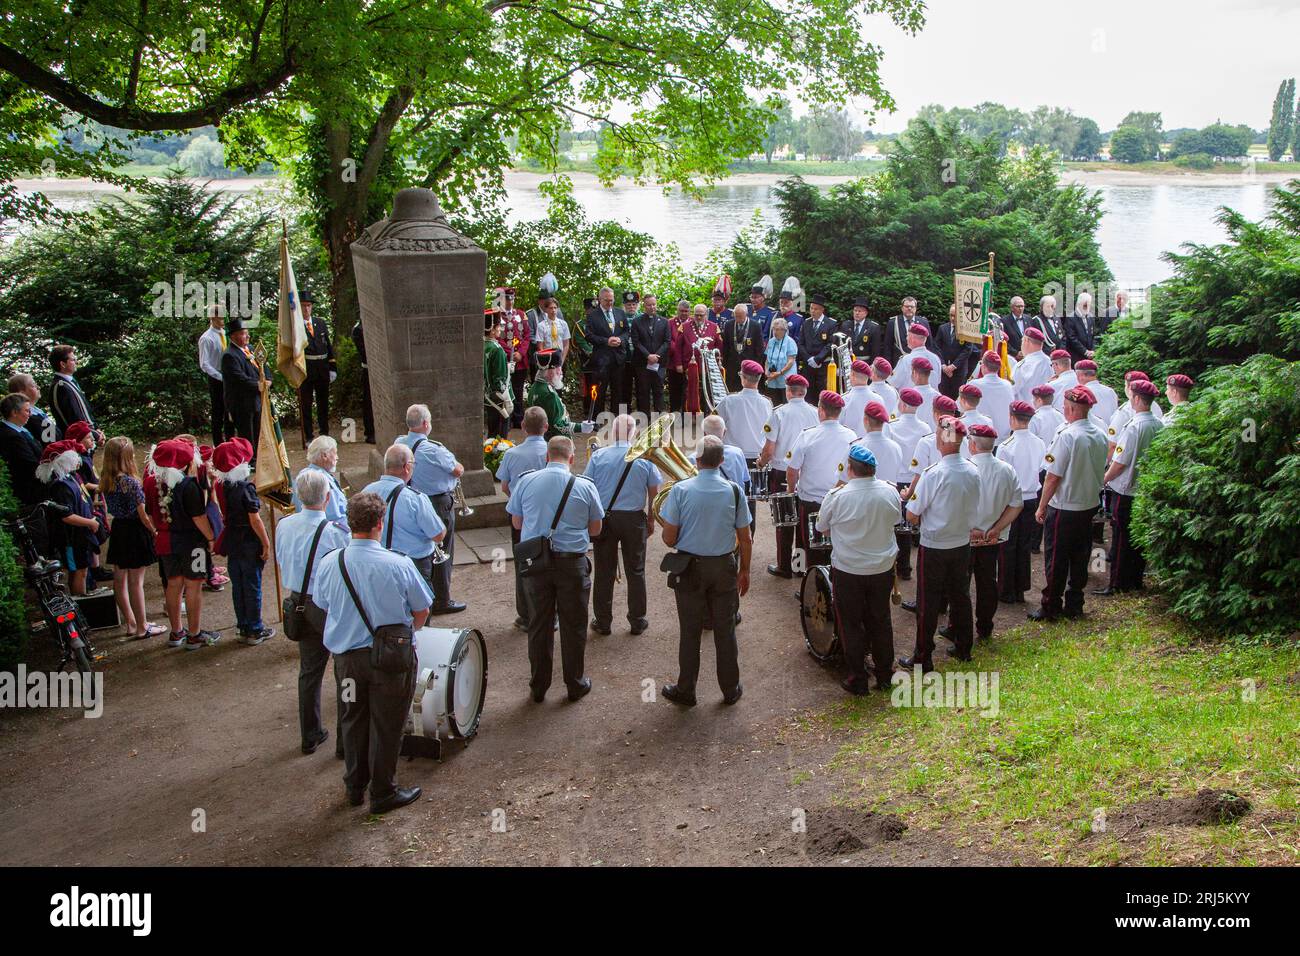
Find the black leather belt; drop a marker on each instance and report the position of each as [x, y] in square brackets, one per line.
[568, 554]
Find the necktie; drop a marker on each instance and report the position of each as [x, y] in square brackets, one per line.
[224, 343]
[555, 333]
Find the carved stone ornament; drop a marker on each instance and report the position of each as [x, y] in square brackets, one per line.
[417, 224]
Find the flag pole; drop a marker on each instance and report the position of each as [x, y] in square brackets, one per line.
[284, 253]
[279, 596]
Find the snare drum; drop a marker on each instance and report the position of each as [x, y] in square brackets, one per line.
[817, 540]
[817, 614]
[759, 483]
[785, 510]
[450, 683]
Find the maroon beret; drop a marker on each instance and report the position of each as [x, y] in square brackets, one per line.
[983, 431]
[910, 396]
[918, 329]
[861, 366]
[832, 399]
[1044, 391]
[1085, 365]
[882, 367]
[942, 403]
[954, 423]
[877, 411]
[1035, 334]
[750, 367]
[1180, 381]
[992, 359]
[1022, 409]
[922, 363]
[1081, 395]
[1145, 387]
[1134, 374]
[1060, 355]
[971, 391]
[797, 380]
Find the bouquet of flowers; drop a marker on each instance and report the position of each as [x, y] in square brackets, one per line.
[493, 450]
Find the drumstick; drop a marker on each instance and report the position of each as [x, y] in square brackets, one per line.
[895, 596]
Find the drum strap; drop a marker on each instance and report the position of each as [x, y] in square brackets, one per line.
[311, 557]
[392, 513]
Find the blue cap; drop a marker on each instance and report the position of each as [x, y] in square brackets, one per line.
[863, 454]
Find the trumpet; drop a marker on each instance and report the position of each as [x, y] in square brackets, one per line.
[439, 556]
[463, 510]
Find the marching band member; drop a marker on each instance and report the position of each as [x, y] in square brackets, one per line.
[779, 357]
[1076, 467]
[519, 460]
[705, 518]
[815, 344]
[411, 526]
[496, 381]
[815, 464]
[435, 474]
[544, 393]
[745, 413]
[760, 311]
[968, 402]
[787, 423]
[917, 337]
[1107, 400]
[865, 335]
[906, 430]
[627, 489]
[733, 467]
[921, 384]
[859, 395]
[1000, 504]
[1127, 564]
[1034, 369]
[1177, 389]
[947, 497]
[514, 339]
[860, 518]
[743, 343]
[886, 394]
[1023, 451]
[998, 394]
[1063, 378]
[686, 358]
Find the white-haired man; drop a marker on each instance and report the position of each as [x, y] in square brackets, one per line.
[1081, 329]
[411, 526]
[323, 458]
[1049, 323]
[436, 472]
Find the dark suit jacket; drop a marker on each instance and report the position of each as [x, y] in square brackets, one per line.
[598, 332]
[21, 453]
[1079, 335]
[895, 333]
[37, 425]
[1055, 335]
[650, 336]
[240, 379]
[1014, 335]
[867, 345]
[318, 343]
[816, 339]
[951, 351]
[69, 404]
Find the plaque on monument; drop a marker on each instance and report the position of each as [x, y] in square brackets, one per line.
[421, 288]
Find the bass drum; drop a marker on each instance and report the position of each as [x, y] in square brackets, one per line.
[817, 614]
[450, 683]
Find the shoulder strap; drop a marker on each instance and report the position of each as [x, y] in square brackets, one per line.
[392, 513]
[347, 579]
[627, 469]
[563, 501]
[311, 557]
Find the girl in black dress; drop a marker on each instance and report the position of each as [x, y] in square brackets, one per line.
[131, 534]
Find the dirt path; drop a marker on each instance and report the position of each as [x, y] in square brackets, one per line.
[612, 779]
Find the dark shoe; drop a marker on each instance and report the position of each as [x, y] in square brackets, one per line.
[356, 797]
[451, 607]
[1008, 599]
[398, 798]
[909, 606]
[737, 617]
[734, 695]
[538, 696]
[339, 755]
[1073, 615]
[311, 748]
[640, 627]
[1035, 550]
[904, 575]
[854, 688]
[885, 683]
[670, 692]
[946, 632]
[601, 629]
[582, 690]
[907, 663]
[958, 655]
[253, 638]
[521, 624]
[1041, 613]
[1107, 591]
[776, 572]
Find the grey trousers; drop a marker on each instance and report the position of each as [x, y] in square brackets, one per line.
[375, 705]
[440, 579]
[625, 530]
[313, 658]
[708, 590]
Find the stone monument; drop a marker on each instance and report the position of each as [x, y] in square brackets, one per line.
[421, 287]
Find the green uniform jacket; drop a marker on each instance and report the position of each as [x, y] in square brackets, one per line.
[544, 397]
[494, 370]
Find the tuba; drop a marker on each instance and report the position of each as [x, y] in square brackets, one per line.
[715, 386]
[656, 445]
[837, 369]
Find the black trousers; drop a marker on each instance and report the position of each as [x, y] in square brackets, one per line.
[1037, 536]
[247, 420]
[1127, 565]
[708, 591]
[777, 395]
[497, 425]
[1067, 546]
[518, 382]
[610, 392]
[367, 408]
[942, 579]
[440, 577]
[816, 383]
[784, 536]
[315, 388]
[313, 657]
[624, 530]
[222, 427]
[812, 556]
[375, 706]
[984, 569]
[676, 390]
[565, 590]
[1014, 565]
[903, 537]
[862, 613]
[649, 391]
[521, 594]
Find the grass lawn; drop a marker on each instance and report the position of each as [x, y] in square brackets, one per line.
[1093, 717]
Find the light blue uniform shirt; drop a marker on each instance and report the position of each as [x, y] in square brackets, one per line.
[605, 467]
[703, 509]
[537, 496]
[336, 505]
[293, 544]
[389, 586]
[433, 464]
[415, 523]
[734, 467]
[528, 455]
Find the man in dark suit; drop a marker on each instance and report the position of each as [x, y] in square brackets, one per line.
[650, 341]
[242, 383]
[1107, 316]
[20, 451]
[742, 340]
[1049, 323]
[1081, 329]
[367, 407]
[815, 346]
[896, 330]
[39, 424]
[607, 330]
[956, 358]
[322, 370]
[1013, 325]
[67, 401]
[865, 335]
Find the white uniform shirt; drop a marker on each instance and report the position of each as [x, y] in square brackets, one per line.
[924, 454]
[907, 430]
[947, 500]
[1024, 452]
[970, 419]
[210, 349]
[545, 339]
[887, 395]
[784, 427]
[860, 517]
[1034, 369]
[1060, 385]
[858, 398]
[1132, 445]
[925, 411]
[1046, 422]
[996, 403]
[1123, 415]
[819, 456]
[746, 412]
[999, 489]
[1107, 402]
[889, 457]
[1169, 415]
[902, 377]
[1078, 458]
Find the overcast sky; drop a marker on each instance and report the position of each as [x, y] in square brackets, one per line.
[1194, 61]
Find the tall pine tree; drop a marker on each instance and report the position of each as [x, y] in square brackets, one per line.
[1281, 128]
